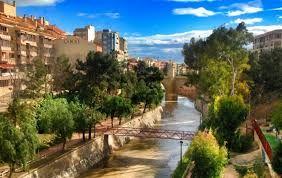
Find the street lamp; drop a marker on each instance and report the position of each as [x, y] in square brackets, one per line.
[181, 143]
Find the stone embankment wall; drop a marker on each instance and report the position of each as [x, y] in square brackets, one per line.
[92, 153]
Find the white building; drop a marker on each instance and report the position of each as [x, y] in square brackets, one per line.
[86, 33]
[268, 41]
[110, 41]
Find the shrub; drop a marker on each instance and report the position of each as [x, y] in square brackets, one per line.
[208, 157]
[277, 159]
[258, 167]
[241, 143]
[226, 114]
[242, 170]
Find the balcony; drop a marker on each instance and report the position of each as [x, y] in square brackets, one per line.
[5, 36]
[33, 53]
[23, 53]
[48, 46]
[5, 48]
[31, 43]
[8, 61]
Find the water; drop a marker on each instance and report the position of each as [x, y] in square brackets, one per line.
[146, 158]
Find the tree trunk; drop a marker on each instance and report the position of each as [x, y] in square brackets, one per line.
[94, 130]
[12, 169]
[89, 132]
[64, 144]
[145, 108]
[83, 135]
[112, 120]
[233, 83]
[119, 123]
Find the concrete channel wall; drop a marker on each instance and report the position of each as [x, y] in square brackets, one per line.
[92, 153]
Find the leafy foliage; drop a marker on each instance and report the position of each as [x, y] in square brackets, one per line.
[54, 115]
[208, 157]
[277, 159]
[223, 46]
[225, 116]
[276, 116]
[61, 73]
[116, 106]
[18, 142]
[36, 79]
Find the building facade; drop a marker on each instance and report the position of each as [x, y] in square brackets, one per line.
[22, 39]
[268, 41]
[75, 48]
[87, 33]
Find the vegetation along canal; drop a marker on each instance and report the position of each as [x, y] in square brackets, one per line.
[153, 157]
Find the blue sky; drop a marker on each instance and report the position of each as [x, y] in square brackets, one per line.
[157, 28]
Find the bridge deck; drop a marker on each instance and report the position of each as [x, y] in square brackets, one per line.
[151, 133]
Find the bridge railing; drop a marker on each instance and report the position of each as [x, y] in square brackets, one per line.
[264, 142]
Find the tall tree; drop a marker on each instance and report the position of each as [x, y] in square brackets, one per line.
[116, 106]
[54, 115]
[61, 73]
[36, 79]
[18, 140]
[98, 75]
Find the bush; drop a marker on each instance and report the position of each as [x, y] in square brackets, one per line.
[208, 157]
[241, 143]
[277, 159]
[242, 170]
[226, 114]
[258, 167]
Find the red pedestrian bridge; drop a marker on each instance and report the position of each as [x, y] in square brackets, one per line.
[150, 133]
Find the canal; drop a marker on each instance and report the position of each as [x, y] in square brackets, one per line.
[147, 158]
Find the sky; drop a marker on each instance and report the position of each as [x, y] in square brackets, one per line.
[157, 28]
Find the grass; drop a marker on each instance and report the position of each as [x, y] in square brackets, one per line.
[181, 168]
[272, 140]
[45, 141]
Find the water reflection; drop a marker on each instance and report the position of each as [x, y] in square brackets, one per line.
[153, 157]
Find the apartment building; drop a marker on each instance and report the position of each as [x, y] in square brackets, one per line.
[22, 39]
[87, 33]
[112, 43]
[268, 41]
[75, 47]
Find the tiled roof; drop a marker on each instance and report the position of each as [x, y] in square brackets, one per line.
[32, 25]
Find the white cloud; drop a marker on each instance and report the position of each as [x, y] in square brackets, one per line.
[177, 38]
[37, 2]
[277, 9]
[279, 17]
[192, 0]
[172, 50]
[112, 15]
[257, 30]
[199, 12]
[249, 21]
[237, 9]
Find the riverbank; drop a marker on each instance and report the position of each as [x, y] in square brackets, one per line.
[90, 154]
[153, 158]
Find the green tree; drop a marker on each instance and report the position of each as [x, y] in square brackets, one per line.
[276, 117]
[148, 95]
[277, 159]
[36, 79]
[225, 116]
[261, 64]
[224, 46]
[208, 157]
[61, 73]
[18, 143]
[116, 106]
[54, 115]
[94, 117]
[80, 117]
[98, 76]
